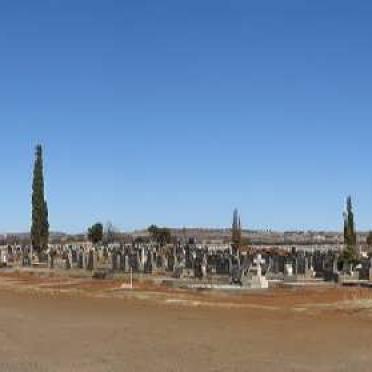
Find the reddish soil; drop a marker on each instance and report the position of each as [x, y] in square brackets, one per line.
[76, 324]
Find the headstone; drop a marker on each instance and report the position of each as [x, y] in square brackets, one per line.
[70, 258]
[81, 260]
[175, 258]
[114, 261]
[118, 261]
[95, 259]
[257, 281]
[204, 266]
[51, 259]
[3, 258]
[90, 260]
[126, 264]
[85, 260]
[165, 263]
[288, 269]
[309, 271]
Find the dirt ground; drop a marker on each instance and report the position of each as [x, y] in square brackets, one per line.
[76, 324]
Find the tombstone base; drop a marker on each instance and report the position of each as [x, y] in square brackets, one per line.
[255, 282]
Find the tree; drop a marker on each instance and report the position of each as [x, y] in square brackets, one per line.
[350, 239]
[236, 230]
[95, 233]
[153, 231]
[161, 235]
[40, 224]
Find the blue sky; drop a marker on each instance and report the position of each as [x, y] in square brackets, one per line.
[176, 112]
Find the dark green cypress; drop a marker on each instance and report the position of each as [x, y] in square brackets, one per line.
[236, 230]
[40, 224]
[350, 238]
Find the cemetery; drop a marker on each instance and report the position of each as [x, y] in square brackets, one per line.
[163, 302]
[218, 266]
[79, 311]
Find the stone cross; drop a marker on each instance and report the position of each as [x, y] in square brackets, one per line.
[258, 261]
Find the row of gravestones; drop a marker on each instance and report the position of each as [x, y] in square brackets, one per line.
[147, 262]
[116, 261]
[200, 263]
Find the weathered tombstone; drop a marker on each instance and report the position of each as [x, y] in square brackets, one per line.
[114, 261]
[288, 270]
[165, 263]
[85, 260]
[26, 257]
[95, 259]
[204, 266]
[138, 261]
[118, 261]
[111, 259]
[74, 256]
[335, 265]
[90, 261]
[142, 259]
[257, 281]
[4, 257]
[193, 258]
[230, 265]
[70, 258]
[276, 264]
[50, 260]
[309, 270]
[300, 264]
[81, 259]
[175, 258]
[148, 264]
[126, 263]
[122, 262]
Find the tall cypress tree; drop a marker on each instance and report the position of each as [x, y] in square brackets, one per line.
[236, 230]
[40, 224]
[350, 238]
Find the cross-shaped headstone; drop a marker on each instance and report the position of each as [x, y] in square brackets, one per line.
[258, 262]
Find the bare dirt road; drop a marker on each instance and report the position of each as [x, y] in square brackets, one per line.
[52, 331]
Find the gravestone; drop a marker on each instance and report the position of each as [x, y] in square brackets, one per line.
[309, 270]
[288, 270]
[118, 262]
[114, 261]
[90, 261]
[70, 258]
[81, 260]
[165, 263]
[95, 259]
[175, 258]
[85, 260]
[4, 258]
[148, 264]
[50, 260]
[126, 263]
[257, 280]
[204, 266]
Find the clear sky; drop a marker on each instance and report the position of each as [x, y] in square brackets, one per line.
[176, 112]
